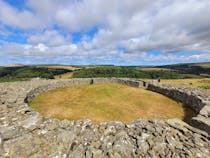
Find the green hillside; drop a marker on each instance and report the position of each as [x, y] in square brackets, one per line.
[8, 74]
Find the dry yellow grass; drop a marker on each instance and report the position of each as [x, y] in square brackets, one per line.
[202, 82]
[108, 102]
[152, 69]
[14, 65]
[64, 76]
[67, 67]
[203, 65]
[188, 82]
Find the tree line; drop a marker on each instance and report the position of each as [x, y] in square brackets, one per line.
[130, 72]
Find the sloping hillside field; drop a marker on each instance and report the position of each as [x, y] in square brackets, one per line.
[108, 102]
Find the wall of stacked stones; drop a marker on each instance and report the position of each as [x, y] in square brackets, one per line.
[188, 96]
[56, 84]
[192, 97]
[81, 81]
[185, 96]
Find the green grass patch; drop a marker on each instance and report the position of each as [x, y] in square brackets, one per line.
[205, 87]
[10, 74]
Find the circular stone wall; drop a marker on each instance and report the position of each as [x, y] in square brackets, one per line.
[26, 133]
[108, 102]
[194, 98]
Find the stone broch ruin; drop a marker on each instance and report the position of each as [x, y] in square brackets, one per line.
[25, 133]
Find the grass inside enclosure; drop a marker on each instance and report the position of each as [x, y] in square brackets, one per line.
[108, 102]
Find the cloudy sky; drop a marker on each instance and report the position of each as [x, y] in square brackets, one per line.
[120, 32]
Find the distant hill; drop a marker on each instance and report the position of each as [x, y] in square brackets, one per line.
[202, 69]
[14, 65]
[131, 72]
[18, 72]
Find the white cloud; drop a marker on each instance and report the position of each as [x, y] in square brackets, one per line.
[49, 37]
[75, 54]
[41, 47]
[137, 26]
[23, 19]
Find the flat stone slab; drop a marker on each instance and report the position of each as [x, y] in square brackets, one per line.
[25, 133]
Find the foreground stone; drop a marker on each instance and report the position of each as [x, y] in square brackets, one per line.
[25, 133]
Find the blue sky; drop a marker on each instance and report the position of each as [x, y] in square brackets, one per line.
[119, 32]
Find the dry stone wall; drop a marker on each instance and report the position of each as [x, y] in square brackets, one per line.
[192, 97]
[25, 133]
[86, 81]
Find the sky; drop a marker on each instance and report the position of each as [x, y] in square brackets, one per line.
[119, 32]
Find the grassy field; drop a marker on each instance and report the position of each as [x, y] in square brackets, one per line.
[67, 67]
[202, 82]
[204, 65]
[130, 72]
[20, 73]
[65, 75]
[14, 65]
[152, 69]
[108, 102]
